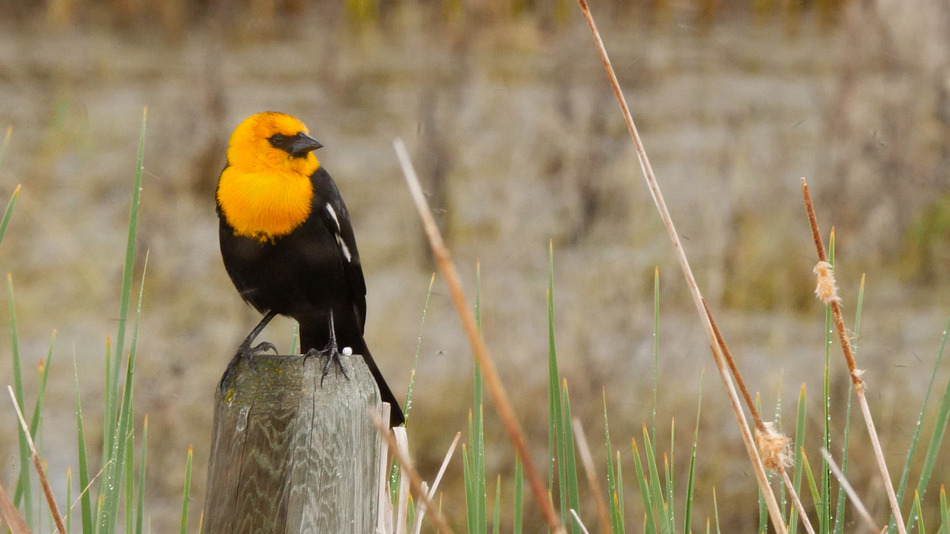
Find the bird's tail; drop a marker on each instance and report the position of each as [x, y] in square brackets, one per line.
[319, 342]
[396, 416]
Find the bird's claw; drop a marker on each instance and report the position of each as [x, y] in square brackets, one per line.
[244, 352]
[260, 348]
[332, 354]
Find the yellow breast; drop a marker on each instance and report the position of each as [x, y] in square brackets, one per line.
[264, 205]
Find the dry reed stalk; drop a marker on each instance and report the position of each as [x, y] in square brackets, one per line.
[417, 524]
[858, 505]
[853, 370]
[414, 479]
[579, 522]
[40, 472]
[486, 363]
[584, 449]
[384, 511]
[89, 485]
[775, 513]
[402, 504]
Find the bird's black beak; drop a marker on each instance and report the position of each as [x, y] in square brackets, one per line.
[302, 144]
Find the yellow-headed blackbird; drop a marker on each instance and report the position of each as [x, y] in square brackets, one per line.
[287, 241]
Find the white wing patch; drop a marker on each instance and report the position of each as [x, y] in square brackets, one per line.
[343, 247]
[332, 213]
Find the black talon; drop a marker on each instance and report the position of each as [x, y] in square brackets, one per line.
[332, 353]
[261, 348]
[246, 351]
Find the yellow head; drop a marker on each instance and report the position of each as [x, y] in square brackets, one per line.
[273, 142]
[266, 191]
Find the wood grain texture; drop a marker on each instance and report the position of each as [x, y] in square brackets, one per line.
[289, 455]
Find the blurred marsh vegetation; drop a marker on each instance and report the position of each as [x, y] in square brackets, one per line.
[513, 126]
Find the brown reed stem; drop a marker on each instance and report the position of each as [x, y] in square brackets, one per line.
[40, 472]
[854, 371]
[775, 513]
[485, 361]
[727, 355]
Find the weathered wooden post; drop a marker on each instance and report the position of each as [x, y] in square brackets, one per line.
[291, 456]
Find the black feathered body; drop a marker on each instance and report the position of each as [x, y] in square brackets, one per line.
[306, 274]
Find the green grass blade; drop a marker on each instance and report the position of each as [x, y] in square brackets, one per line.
[716, 512]
[477, 428]
[469, 479]
[186, 497]
[140, 506]
[129, 476]
[919, 513]
[798, 467]
[85, 499]
[658, 501]
[8, 213]
[295, 340]
[415, 360]
[815, 494]
[126, 294]
[556, 474]
[668, 502]
[691, 480]
[618, 498]
[782, 496]
[24, 490]
[616, 522]
[569, 459]
[36, 422]
[115, 470]
[646, 494]
[109, 411]
[824, 510]
[519, 497]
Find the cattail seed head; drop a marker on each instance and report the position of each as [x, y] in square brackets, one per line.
[774, 447]
[827, 289]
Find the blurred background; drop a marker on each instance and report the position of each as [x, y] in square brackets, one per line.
[518, 137]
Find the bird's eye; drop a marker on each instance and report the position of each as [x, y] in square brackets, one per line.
[277, 138]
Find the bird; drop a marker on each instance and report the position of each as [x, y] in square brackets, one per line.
[288, 244]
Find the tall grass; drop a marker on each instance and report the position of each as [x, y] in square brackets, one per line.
[109, 495]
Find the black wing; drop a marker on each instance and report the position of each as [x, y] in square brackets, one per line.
[336, 218]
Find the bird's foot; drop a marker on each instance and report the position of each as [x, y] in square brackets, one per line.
[332, 354]
[245, 352]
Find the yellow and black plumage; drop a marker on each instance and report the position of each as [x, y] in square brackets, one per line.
[287, 241]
